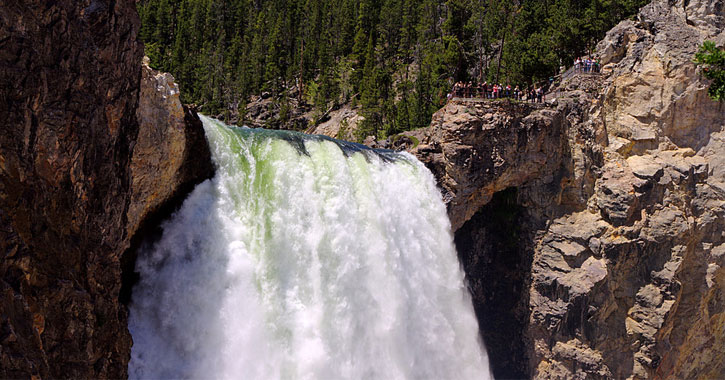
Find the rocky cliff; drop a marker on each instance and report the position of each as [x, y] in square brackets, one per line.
[591, 231]
[74, 161]
[170, 158]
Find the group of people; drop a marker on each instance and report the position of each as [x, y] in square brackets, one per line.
[495, 91]
[587, 65]
[533, 94]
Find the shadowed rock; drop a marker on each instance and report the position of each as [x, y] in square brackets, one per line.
[79, 175]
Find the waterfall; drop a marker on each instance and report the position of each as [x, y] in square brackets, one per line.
[305, 258]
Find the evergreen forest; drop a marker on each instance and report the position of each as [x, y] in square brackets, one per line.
[396, 59]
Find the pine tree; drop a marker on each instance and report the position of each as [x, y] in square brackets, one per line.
[712, 59]
[395, 58]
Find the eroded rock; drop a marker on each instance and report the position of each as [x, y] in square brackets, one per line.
[620, 217]
[171, 154]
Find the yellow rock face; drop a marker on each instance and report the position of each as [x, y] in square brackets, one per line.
[159, 151]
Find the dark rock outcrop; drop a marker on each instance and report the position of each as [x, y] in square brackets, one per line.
[490, 247]
[70, 75]
[274, 112]
[278, 112]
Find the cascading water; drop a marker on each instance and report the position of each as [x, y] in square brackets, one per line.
[308, 258]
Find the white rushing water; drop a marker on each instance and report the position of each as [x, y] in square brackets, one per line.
[303, 260]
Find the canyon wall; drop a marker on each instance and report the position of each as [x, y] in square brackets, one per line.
[70, 74]
[590, 228]
[591, 231]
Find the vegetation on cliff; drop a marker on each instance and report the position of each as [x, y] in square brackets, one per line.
[713, 60]
[397, 59]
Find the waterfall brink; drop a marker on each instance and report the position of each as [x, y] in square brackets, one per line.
[305, 257]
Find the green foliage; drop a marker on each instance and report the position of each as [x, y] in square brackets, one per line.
[713, 61]
[397, 59]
